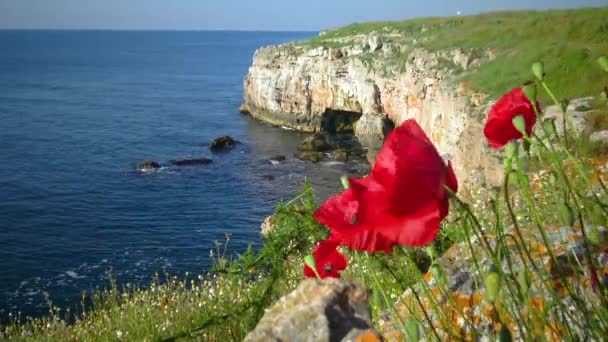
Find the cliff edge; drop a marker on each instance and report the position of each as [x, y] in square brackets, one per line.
[443, 72]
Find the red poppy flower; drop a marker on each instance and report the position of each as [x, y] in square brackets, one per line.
[499, 129]
[330, 262]
[401, 202]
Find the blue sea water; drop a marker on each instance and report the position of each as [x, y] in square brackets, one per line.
[79, 109]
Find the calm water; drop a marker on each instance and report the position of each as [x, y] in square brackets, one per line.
[78, 109]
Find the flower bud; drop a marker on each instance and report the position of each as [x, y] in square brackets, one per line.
[553, 178]
[603, 62]
[309, 260]
[538, 69]
[520, 124]
[594, 236]
[345, 183]
[529, 89]
[492, 284]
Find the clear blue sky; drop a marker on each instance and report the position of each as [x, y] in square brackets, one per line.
[242, 14]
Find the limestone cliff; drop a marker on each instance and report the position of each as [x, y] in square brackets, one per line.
[368, 85]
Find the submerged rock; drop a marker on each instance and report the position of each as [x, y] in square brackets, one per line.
[190, 162]
[223, 143]
[147, 165]
[276, 159]
[318, 310]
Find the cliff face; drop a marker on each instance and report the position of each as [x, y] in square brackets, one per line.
[367, 86]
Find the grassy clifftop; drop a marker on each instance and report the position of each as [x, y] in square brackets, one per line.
[568, 41]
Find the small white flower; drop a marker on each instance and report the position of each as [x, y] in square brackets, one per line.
[119, 334]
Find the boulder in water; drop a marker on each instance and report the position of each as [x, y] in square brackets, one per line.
[311, 156]
[223, 143]
[147, 165]
[316, 142]
[276, 159]
[190, 162]
[341, 155]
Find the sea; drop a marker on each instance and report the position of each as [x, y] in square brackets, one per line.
[79, 109]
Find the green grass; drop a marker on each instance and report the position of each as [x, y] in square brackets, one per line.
[568, 41]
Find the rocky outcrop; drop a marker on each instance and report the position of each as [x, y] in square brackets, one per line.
[147, 165]
[371, 85]
[318, 310]
[190, 162]
[222, 143]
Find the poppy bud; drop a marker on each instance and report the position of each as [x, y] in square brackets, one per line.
[603, 62]
[538, 69]
[344, 181]
[530, 91]
[520, 124]
[309, 260]
[553, 178]
[594, 236]
[567, 214]
[492, 286]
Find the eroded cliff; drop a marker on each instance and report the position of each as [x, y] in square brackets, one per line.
[369, 86]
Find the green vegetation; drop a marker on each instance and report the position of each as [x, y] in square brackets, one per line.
[568, 41]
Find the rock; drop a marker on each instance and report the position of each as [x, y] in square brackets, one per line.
[315, 143]
[190, 162]
[147, 165]
[341, 155]
[577, 115]
[277, 159]
[268, 225]
[311, 156]
[318, 310]
[223, 143]
[599, 137]
[296, 86]
[268, 177]
[375, 43]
